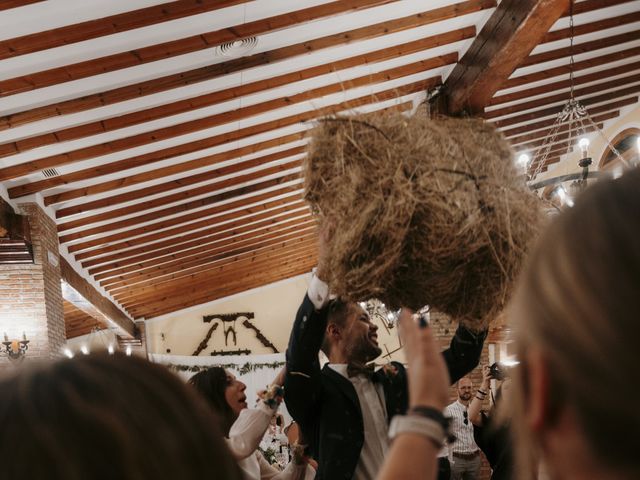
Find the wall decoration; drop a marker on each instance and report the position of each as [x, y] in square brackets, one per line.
[231, 352]
[229, 322]
[205, 341]
[264, 340]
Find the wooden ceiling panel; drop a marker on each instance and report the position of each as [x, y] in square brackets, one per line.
[180, 182]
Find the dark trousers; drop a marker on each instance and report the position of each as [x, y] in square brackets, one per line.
[444, 469]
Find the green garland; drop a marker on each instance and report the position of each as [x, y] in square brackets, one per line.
[243, 370]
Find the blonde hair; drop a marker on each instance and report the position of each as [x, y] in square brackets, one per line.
[578, 301]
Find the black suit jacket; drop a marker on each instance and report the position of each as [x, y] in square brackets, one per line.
[326, 405]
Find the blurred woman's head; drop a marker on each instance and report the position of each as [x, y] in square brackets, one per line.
[576, 314]
[224, 393]
[101, 416]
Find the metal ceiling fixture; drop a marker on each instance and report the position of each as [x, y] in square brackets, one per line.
[237, 48]
[574, 119]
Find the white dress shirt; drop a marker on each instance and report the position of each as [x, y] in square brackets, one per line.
[464, 433]
[374, 419]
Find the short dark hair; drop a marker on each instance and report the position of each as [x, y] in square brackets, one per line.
[211, 384]
[102, 416]
[338, 311]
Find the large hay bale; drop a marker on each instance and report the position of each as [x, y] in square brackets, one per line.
[423, 212]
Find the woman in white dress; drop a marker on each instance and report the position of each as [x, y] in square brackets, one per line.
[244, 427]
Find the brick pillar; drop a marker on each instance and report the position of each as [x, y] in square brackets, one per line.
[30, 294]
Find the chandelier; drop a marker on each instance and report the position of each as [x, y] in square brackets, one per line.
[573, 123]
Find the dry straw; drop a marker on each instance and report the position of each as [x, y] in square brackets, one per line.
[423, 212]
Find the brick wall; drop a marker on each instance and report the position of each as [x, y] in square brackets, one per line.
[30, 295]
[445, 329]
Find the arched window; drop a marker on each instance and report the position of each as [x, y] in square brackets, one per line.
[626, 144]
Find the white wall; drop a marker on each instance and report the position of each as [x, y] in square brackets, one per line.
[274, 306]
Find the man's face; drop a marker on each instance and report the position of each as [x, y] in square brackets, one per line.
[465, 388]
[361, 337]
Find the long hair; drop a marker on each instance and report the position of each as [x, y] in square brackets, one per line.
[211, 384]
[578, 302]
[104, 417]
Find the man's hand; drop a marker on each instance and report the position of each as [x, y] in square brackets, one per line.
[427, 372]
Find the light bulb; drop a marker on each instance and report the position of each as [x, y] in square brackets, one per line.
[68, 353]
[583, 143]
[128, 350]
[110, 349]
[84, 349]
[524, 159]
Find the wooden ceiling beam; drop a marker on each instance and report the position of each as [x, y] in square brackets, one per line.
[228, 211]
[555, 109]
[214, 98]
[538, 144]
[518, 142]
[168, 211]
[563, 96]
[578, 48]
[135, 162]
[225, 238]
[182, 46]
[163, 154]
[237, 168]
[213, 226]
[161, 308]
[149, 175]
[85, 297]
[545, 74]
[555, 86]
[206, 252]
[592, 5]
[205, 260]
[213, 71]
[230, 270]
[122, 22]
[592, 27]
[530, 127]
[9, 4]
[222, 270]
[512, 32]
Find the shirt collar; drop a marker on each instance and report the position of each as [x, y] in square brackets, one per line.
[340, 368]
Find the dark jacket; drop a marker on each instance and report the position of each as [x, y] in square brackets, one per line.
[326, 405]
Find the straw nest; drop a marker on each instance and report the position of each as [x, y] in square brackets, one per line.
[422, 212]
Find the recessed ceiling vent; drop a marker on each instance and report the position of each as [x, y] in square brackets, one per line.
[237, 48]
[50, 172]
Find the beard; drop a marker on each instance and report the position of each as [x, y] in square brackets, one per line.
[364, 351]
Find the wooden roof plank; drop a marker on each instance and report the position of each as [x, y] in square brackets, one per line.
[563, 96]
[555, 86]
[240, 233]
[216, 225]
[181, 106]
[555, 109]
[213, 71]
[194, 43]
[182, 261]
[163, 154]
[529, 127]
[118, 23]
[249, 205]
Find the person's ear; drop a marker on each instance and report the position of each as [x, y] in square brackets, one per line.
[333, 332]
[537, 388]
